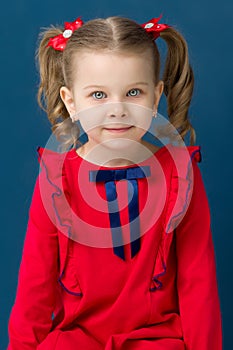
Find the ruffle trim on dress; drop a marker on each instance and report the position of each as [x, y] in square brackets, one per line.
[53, 185]
[177, 204]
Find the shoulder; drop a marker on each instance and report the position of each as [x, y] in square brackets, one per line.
[51, 160]
[184, 181]
[53, 170]
[194, 152]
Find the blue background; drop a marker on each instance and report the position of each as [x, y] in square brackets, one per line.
[207, 29]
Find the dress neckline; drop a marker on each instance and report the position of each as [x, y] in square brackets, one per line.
[75, 155]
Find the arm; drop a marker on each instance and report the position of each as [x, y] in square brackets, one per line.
[31, 316]
[196, 274]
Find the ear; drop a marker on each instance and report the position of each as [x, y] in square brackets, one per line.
[67, 98]
[158, 93]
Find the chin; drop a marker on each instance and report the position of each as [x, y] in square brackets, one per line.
[119, 143]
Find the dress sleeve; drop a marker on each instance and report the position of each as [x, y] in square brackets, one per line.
[31, 315]
[196, 273]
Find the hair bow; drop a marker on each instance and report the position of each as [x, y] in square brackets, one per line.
[155, 27]
[58, 42]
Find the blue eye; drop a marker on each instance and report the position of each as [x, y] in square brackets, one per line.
[134, 92]
[98, 94]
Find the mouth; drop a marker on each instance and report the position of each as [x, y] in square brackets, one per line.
[118, 129]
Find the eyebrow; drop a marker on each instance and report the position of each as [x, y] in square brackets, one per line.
[101, 86]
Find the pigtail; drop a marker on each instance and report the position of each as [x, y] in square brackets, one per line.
[50, 64]
[51, 77]
[178, 82]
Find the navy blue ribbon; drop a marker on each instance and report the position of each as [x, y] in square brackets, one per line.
[109, 177]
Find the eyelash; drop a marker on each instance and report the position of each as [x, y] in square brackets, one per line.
[102, 91]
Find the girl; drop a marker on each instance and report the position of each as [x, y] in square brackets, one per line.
[110, 264]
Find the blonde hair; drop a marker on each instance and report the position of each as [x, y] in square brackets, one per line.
[119, 35]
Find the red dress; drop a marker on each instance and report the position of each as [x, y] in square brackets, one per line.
[79, 290]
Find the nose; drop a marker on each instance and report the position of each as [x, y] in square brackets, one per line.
[117, 109]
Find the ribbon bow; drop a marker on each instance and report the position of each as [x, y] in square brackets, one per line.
[109, 177]
[58, 42]
[154, 27]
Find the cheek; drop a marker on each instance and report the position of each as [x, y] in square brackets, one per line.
[91, 118]
[90, 124]
[141, 116]
[144, 123]
[94, 118]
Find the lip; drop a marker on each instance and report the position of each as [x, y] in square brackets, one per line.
[118, 129]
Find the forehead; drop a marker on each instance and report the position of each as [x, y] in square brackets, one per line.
[107, 66]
